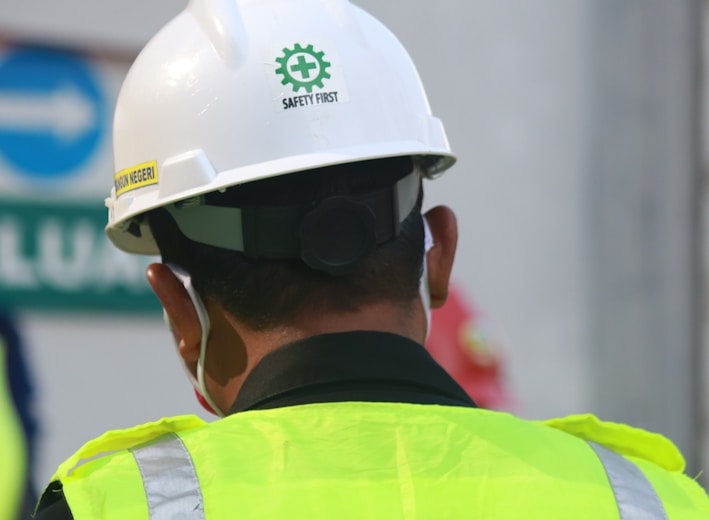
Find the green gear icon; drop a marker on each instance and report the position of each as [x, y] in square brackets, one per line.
[311, 72]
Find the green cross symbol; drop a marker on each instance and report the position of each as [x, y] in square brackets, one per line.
[303, 67]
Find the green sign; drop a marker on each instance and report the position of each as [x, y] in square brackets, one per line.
[56, 256]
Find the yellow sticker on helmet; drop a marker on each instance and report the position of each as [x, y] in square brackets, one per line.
[136, 177]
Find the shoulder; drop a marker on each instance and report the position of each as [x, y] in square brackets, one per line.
[53, 504]
[116, 441]
[660, 461]
[623, 439]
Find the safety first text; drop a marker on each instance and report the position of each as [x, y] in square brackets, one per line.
[309, 99]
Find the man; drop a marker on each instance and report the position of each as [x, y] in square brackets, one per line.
[272, 152]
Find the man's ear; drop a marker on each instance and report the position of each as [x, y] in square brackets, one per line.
[444, 229]
[178, 308]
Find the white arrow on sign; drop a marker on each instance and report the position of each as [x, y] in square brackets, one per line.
[65, 112]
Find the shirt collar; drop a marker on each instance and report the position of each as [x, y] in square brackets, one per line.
[350, 366]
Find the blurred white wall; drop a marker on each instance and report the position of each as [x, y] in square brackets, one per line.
[516, 84]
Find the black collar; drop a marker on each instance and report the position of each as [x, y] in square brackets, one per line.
[350, 366]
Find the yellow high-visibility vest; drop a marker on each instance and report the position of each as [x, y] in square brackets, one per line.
[358, 460]
[12, 449]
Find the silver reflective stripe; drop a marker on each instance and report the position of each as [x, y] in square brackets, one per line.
[635, 496]
[169, 478]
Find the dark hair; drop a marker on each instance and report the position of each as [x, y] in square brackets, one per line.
[266, 293]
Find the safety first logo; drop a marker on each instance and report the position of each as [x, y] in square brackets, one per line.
[135, 177]
[307, 76]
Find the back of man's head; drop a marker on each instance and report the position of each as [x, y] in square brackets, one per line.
[266, 293]
[275, 150]
[273, 153]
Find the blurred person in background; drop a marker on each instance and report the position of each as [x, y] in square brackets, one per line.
[17, 424]
[273, 153]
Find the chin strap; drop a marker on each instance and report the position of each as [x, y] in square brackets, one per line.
[199, 382]
[424, 291]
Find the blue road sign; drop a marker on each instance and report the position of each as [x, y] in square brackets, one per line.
[52, 111]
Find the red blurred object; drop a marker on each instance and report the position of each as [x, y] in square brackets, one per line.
[462, 342]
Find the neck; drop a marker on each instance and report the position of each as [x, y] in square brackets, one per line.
[381, 317]
[409, 322]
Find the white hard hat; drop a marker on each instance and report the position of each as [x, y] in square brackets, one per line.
[233, 91]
